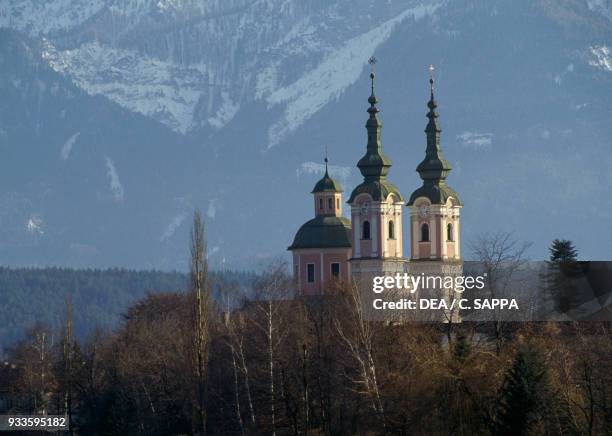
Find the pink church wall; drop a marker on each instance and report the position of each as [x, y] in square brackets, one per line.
[340, 258]
[424, 250]
[450, 249]
[314, 287]
[391, 247]
[366, 247]
[302, 258]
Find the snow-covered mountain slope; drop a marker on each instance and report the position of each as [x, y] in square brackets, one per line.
[158, 89]
[118, 117]
[192, 65]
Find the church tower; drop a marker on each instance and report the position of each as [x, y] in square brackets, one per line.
[435, 208]
[322, 246]
[376, 208]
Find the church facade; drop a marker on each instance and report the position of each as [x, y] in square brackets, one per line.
[372, 243]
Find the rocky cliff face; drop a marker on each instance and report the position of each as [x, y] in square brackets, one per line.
[119, 117]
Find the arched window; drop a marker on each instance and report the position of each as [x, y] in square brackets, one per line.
[425, 233]
[330, 203]
[449, 232]
[391, 230]
[337, 203]
[365, 234]
[321, 203]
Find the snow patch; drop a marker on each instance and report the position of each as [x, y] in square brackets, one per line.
[34, 225]
[158, 89]
[602, 58]
[116, 187]
[225, 113]
[476, 140]
[326, 82]
[173, 226]
[67, 147]
[211, 212]
[313, 168]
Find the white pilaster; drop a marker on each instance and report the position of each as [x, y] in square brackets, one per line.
[443, 223]
[374, 230]
[399, 230]
[384, 231]
[416, 234]
[356, 233]
[457, 238]
[433, 237]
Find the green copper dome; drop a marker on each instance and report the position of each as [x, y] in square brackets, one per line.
[327, 184]
[323, 231]
[437, 193]
[379, 190]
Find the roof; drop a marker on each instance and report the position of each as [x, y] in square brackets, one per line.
[379, 190]
[327, 184]
[437, 193]
[323, 231]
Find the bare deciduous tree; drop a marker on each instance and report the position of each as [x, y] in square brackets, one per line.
[235, 330]
[501, 255]
[271, 291]
[199, 276]
[357, 333]
[67, 360]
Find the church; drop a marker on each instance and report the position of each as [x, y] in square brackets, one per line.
[371, 243]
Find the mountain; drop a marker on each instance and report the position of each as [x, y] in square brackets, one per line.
[117, 119]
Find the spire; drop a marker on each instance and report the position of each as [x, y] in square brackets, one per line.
[431, 82]
[326, 160]
[372, 99]
[374, 164]
[434, 168]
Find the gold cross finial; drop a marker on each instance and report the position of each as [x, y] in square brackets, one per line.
[431, 79]
[372, 61]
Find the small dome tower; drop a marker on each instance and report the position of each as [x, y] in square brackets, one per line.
[322, 246]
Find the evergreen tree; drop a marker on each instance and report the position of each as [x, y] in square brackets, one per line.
[524, 393]
[462, 347]
[563, 250]
[563, 265]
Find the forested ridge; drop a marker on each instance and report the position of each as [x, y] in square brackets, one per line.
[36, 295]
